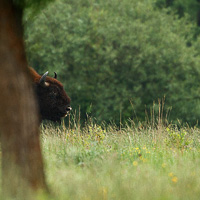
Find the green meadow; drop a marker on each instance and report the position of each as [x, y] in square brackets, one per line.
[105, 162]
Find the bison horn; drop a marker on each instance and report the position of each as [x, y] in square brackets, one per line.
[43, 78]
[55, 75]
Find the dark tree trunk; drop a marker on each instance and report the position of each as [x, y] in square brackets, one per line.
[22, 164]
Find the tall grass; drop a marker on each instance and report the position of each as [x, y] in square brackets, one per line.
[148, 161]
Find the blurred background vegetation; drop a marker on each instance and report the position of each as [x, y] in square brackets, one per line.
[117, 58]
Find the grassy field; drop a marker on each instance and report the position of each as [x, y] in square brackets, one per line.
[131, 163]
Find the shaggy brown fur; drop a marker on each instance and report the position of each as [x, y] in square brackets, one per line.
[53, 101]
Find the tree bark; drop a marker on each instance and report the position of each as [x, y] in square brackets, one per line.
[22, 164]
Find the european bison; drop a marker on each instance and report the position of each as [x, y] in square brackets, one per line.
[53, 101]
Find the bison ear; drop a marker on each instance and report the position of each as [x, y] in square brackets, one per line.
[55, 75]
[43, 79]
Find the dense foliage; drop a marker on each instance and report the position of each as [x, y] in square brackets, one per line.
[182, 7]
[116, 57]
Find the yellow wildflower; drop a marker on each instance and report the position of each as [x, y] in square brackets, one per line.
[144, 160]
[174, 179]
[163, 165]
[105, 192]
[135, 163]
[170, 174]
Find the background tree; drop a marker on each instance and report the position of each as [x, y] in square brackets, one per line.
[22, 164]
[118, 57]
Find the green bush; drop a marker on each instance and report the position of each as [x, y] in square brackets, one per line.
[117, 57]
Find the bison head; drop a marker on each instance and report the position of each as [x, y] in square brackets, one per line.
[53, 101]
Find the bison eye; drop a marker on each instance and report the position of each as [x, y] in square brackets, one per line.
[53, 94]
